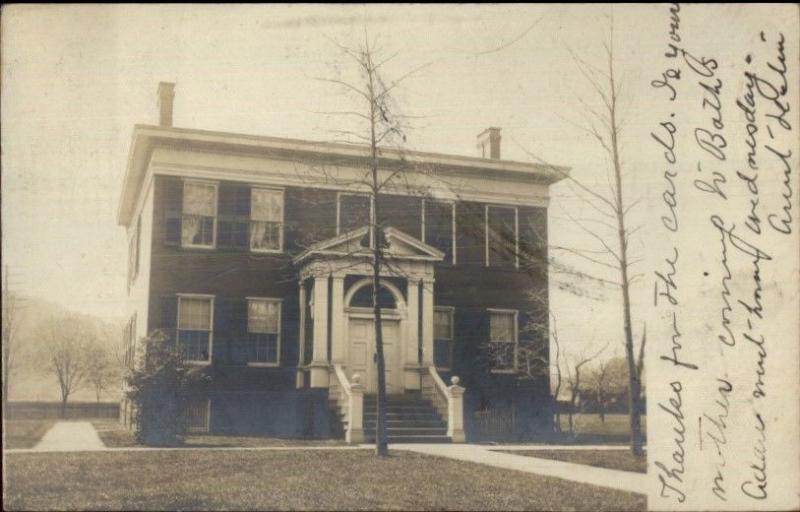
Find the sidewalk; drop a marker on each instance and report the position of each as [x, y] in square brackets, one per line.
[70, 436]
[610, 478]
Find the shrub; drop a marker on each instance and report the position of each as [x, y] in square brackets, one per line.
[159, 390]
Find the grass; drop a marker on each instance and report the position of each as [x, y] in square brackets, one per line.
[611, 459]
[309, 480]
[114, 435]
[24, 433]
[615, 428]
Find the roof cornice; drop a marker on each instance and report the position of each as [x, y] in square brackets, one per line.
[147, 137]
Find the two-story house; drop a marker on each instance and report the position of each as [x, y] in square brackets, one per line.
[253, 254]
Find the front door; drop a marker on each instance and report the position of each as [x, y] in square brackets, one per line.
[363, 357]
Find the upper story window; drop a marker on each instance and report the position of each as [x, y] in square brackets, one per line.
[199, 217]
[502, 240]
[195, 325]
[264, 331]
[353, 211]
[443, 337]
[439, 227]
[503, 339]
[266, 220]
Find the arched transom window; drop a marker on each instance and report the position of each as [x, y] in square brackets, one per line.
[362, 298]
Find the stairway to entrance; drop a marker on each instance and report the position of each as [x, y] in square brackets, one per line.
[409, 419]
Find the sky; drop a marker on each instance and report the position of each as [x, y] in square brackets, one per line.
[77, 78]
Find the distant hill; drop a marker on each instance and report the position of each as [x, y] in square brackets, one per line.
[32, 381]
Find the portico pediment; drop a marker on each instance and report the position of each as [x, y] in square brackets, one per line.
[355, 244]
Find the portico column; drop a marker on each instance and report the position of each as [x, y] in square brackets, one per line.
[427, 323]
[337, 320]
[319, 362]
[411, 349]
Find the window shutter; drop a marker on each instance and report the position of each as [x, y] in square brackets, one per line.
[233, 216]
[223, 316]
[237, 331]
[173, 206]
[169, 313]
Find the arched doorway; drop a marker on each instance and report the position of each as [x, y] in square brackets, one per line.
[361, 351]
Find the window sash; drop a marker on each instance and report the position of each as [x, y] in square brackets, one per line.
[503, 339]
[197, 230]
[194, 313]
[266, 205]
[266, 236]
[198, 214]
[266, 219]
[195, 345]
[263, 316]
[502, 327]
[443, 324]
[263, 348]
[199, 198]
[263, 331]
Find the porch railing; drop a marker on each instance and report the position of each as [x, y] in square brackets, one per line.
[448, 401]
[349, 398]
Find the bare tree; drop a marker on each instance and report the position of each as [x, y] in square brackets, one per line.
[10, 340]
[101, 369]
[381, 127]
[66, 341]
[609, 226]
[574, 367]
[608, 381]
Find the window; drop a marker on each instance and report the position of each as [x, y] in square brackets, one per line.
[199, 218]
[264, 331]
[502, 244]
[439, 227]
[194, 327]
[503, 339]
[353, 211]
[362, 298]
[443, 337]
[266, 220]
[197, 416]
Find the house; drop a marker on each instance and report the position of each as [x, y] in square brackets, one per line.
[252, 252]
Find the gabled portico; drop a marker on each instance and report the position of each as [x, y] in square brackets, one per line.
[336, 284]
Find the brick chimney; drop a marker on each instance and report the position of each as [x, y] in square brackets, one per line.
[166, 95]
[489, 143]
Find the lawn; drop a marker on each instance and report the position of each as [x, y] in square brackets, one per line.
[310, 479]
[114, 435]
[611, 459]
[615, 428]
[24, 433]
